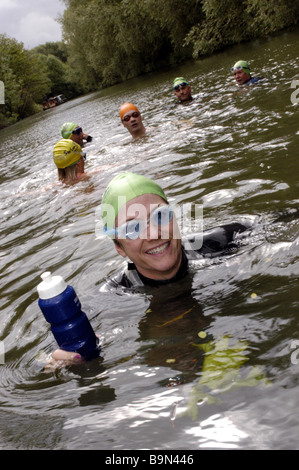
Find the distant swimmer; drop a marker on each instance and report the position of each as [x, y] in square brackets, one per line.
[68, 157]
[182, 90]
[132, 120]
[70, 130]
[242, 74]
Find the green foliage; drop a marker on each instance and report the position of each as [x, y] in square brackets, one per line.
[58, 49]
[224, 23]
[63, 80]
[228, 22]
[29, 76]
[25, 79]
[110, 42]
[271, 15]
[57, 73]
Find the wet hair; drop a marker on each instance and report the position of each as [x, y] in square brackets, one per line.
[67, 174]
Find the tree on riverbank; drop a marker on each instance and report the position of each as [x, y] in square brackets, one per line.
[25, 81]
[109, 42]
[228, 22]
[62, 76]
[28, 76]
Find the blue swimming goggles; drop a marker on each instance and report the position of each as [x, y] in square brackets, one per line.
[77, 131]
[183, 85]
[133, 229]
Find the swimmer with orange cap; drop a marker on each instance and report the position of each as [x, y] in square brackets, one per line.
[132, 120]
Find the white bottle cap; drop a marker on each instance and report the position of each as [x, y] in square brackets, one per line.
[51, 286]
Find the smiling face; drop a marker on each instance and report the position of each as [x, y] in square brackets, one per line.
[157, 252]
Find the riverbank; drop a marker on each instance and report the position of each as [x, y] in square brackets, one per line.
[89, 61]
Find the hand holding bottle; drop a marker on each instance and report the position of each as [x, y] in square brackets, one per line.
[69, 324]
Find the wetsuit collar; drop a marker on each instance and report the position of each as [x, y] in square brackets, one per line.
[181, 273]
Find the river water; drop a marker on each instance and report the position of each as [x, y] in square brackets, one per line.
[156, 386]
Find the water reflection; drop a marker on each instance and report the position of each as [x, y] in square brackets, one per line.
[233, 151]
[169, 331]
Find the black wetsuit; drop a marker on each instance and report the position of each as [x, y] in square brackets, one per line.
[253, 80]
[218, 241]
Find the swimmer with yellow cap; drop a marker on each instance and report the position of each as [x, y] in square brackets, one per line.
[68, 158]
[132, 120]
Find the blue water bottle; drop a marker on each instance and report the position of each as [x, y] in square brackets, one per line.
[69, 325]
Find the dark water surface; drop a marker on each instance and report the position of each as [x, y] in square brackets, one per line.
[158, 384]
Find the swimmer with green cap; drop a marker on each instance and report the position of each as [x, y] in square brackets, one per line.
[70, 130]
[182, 89]
[145, 230]
[242, 74]
[125, 187]
[137, 216]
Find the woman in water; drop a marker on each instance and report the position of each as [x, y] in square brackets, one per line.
[68, 158]
[152, 240]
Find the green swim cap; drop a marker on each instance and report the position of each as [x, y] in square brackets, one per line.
[122, 189]
[243, 64]
[179, 81]
[67, 129]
